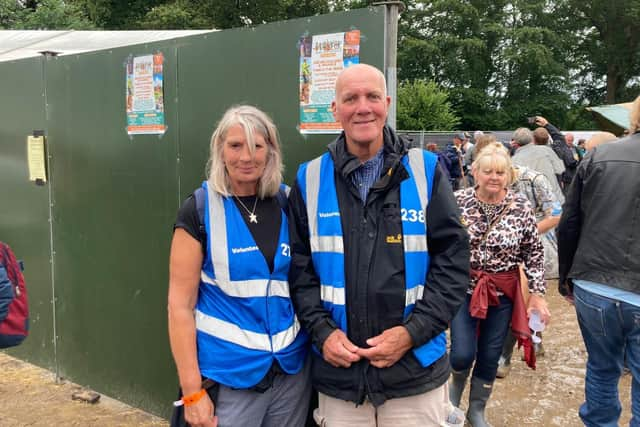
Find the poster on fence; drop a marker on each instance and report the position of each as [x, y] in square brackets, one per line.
[322, 58]
[145, 95]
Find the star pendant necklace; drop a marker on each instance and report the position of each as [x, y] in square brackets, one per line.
[252, 213]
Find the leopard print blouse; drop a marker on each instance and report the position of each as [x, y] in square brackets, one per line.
[512, 241]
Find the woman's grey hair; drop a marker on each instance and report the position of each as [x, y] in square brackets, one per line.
[253, 121]
[522, 136]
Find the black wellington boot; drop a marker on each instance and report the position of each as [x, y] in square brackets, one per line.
[478, 397]
[456, 387]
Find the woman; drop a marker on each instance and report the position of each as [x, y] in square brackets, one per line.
[503, 235]
[232, 327]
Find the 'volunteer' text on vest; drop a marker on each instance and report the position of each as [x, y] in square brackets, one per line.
[244, 316]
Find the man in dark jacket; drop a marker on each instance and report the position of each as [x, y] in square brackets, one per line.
[374, 290]
[455, 153]
[563, 149]
[599, 257]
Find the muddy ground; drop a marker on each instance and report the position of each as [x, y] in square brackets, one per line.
[549, 396]
[30, 396]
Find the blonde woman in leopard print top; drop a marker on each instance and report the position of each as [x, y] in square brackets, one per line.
[503, 236]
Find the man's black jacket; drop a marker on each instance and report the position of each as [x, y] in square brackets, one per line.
[599, 231]
[565, 153]
[374, 270]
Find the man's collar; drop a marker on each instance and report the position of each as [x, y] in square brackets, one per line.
[393, 147]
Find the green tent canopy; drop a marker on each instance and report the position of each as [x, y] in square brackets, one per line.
[612, 118]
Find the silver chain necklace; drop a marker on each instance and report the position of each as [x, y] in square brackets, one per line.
[252, 213]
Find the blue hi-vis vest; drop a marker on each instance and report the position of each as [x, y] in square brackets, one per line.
[244, 316]
[317, 184]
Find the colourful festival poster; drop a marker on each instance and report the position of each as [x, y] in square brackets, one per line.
[145, 95]
[322, 58]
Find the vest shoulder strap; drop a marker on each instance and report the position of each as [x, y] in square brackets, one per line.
[199, 194]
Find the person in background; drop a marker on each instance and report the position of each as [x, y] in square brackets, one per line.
[573, 147]
[443, 160]
[597, 139]
[538, 156]
[379, 267]
[467, 147]
[580, 148]
[599, 270]
[455, 152]
[547, 209]
[235, 339]
[563, 147]
[503, 235]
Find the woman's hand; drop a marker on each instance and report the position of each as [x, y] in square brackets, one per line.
[539, 304]
[201, 413]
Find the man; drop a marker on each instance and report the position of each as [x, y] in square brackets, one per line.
[599, 270]
[455, 153]
[563, 147]
[540, 158]
[373, 288]
[467, 147]
[575, 150]
[443, 160]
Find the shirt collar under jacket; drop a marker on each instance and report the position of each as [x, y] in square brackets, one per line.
[367, 174]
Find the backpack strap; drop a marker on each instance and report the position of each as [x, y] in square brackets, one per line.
[283, 196]
[200, 195]
[533, 190]
[9, 266]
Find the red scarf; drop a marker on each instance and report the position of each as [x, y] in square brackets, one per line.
[485, 294]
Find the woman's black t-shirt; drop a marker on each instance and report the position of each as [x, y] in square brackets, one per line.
[266, 232]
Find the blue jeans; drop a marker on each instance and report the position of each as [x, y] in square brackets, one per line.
[611, 330]
[467, 346]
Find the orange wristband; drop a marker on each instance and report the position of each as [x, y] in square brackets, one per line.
[193, 397]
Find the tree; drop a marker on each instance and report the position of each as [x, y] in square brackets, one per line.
[533, 59]
[223, 14]
[43, 15]
[607, 50]
[454, 43]
[57, 14]
[422, 105]
[499, 60]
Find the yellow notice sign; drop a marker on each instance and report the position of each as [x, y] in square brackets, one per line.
[36, 158]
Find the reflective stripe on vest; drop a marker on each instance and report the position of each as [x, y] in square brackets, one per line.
[244, 316]
[317, 181]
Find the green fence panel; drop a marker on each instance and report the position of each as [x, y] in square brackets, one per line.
[114, 201]
[115, 197]
[259, 66]
[24, 207]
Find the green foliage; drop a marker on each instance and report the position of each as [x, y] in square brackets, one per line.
[43, 15]
[173, 16]
[608, 46]
[422, 105]
[11, 14]
[223, 14]
[498, 61]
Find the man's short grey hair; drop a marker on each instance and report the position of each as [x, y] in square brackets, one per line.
[522, 136]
